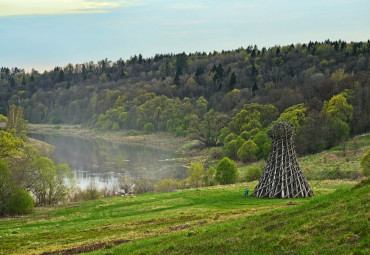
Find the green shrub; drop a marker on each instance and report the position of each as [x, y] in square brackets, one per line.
[148, 128]
[116, 126]
[253, 173]
[132, 133]
[6, 186]
[233, 146]
[246, 135]
[167, 185]
[365, 164]
[181, 132]
[229, 138]
[224, 133]
[143, 186]
[91, 192]
[195, 174]
[209, 176]
[248, 151]
[263, 143]
[226, 171]
[217, 153]
[57, 127]
[55, 120]
[20, 202]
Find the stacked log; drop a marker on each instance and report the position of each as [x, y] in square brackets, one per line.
[282, 177]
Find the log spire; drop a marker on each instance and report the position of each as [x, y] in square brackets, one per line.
[282, 176]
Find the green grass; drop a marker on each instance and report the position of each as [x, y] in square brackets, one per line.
[212, 220]
[332, 224]
[340, 162]
[145, 220]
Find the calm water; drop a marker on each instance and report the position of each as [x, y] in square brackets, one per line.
[106, 162]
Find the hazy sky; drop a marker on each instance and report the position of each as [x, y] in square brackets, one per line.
[42, 34]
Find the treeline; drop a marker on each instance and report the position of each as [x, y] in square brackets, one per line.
[185, 94]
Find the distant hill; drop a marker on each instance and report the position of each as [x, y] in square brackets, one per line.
[167, 89]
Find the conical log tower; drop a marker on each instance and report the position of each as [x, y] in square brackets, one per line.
[282, 176]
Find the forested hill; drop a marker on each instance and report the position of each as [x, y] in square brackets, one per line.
[166, 89]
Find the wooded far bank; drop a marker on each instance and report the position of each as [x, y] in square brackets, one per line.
[321, 88]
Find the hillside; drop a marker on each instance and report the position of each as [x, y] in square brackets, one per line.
[284, 76]
[208, 220]
[229, 99]
[220, 99]
[219, 217]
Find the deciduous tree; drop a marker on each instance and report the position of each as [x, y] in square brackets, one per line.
[207, 129]
[226, 171]
[195, 174]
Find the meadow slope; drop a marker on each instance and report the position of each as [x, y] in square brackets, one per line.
[210, 220]
[219, 217]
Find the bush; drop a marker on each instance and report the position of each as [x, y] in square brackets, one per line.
[20, 202]
[116, 126]
[195, 174]
[263, 143]
[143, 186]
[248, 151]
[253, 173]
[127, 184]
[6, 186]
[217, 153]
[365, 164]
[91, 192]
[167, 185]
[209, 177]
[246, 135]
[229, 138]
[226, 171]
[148, 128]
[233, 146]
[55, 120]
[181, 132]
[132, 133]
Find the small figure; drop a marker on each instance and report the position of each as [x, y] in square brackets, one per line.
[246, 192]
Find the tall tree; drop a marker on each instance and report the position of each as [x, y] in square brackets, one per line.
[15, 120]
[232, 81]
[208, 129]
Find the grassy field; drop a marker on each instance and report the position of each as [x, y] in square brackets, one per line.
[340, 162]
[332, 224]
[206, 220]
[211, 220]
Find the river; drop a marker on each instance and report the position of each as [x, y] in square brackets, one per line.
[106, 162]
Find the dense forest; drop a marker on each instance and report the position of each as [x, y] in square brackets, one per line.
[227, 98]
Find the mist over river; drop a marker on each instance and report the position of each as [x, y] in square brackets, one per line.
[106, 162]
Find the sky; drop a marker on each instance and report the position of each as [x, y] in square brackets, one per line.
[43, 34]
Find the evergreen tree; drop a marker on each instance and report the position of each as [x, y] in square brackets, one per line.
[232, 81]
